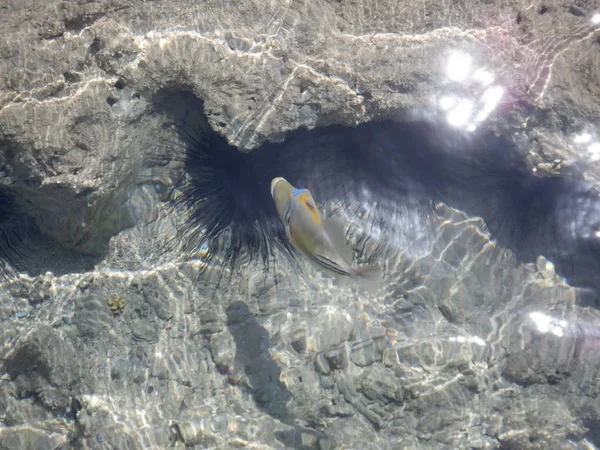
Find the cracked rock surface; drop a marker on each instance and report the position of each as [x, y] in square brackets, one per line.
[445, 356]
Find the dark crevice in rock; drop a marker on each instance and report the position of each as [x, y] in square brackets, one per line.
[39, 229]
[96, 45]
[227, 191]
[24, 249]
[12, 247]
[77, 23]
[593, 435]
[395, 165]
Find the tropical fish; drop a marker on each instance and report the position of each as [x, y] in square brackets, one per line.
[323, 242]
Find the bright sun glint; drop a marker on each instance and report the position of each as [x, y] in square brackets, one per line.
[542, 321]
[594, 151]
[447, 102]
[459, 66]
[461, 114]
[582, 138]
[483, 77]
[545, 324]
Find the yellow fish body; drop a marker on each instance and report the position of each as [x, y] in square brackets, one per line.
[323, 242]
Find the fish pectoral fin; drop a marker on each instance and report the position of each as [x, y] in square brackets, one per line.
[335, 229]
[331, 265]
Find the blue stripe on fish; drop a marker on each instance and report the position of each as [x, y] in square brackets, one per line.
[298, 192]
[295, 193]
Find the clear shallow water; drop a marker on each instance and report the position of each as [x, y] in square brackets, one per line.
[250, 356]
[472, 341]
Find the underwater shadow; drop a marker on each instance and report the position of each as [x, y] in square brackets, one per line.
[228, 193]
[395, 166]
[24, 249]
[269, 394]
[252, 343]
[415, 165]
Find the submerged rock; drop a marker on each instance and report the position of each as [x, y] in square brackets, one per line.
[470, 342]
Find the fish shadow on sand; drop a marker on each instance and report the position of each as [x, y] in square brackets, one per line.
[263, 375]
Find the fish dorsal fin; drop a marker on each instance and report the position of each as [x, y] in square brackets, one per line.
[335, 229]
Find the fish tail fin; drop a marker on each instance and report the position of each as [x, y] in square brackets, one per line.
[368, 277]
